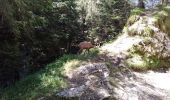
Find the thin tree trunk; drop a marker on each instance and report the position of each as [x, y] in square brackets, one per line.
[141, 4]
[164, 2]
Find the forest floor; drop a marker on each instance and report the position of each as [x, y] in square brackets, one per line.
[107, 76]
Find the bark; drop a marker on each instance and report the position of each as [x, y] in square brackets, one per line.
[141, 4]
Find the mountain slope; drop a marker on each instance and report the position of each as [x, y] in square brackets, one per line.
[143, 45]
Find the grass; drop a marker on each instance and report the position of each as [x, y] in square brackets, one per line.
[137, 11]
[140, 62]
[163, 19]
[137, 62]
[47, 81]
[134, 16]
[148, 32]
[132, 19]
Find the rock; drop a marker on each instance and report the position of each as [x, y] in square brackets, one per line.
[90, 83]
[73, 92]
[102, 93]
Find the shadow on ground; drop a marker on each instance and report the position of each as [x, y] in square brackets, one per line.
[108, 78]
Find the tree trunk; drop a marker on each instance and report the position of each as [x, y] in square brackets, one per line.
[141, 4]
[164, 2]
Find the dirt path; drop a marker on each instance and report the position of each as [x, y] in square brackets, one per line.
[142, 86]
[132, 85]
[122, 44]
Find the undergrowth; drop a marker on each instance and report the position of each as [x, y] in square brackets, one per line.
[138, 61]
[45, 82]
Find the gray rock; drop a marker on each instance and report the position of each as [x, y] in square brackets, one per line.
[95, 79]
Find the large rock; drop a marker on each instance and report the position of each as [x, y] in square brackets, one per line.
[88, 82]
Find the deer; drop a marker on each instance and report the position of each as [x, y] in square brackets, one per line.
[85, 46]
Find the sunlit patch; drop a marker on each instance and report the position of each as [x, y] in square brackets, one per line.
[163, 13]
[122, 44]
[158, 80]
[137, 62]
[103, 92]
[70, 66]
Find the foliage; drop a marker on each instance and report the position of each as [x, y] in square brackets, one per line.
[9, 41]
[104, 19]
[33, 31]
[36, 32]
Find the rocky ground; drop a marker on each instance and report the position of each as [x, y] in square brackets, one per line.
[113, 80]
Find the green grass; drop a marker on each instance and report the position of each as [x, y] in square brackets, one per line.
[132, 19]
[45, 82]
[134, 16]
[163, 19]
[137, 11]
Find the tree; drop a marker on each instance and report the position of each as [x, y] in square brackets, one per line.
[32, 33]
[164, 2]
[9, 41]
[103, 18]
[141, 4]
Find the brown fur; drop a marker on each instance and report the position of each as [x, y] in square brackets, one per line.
[85, 45]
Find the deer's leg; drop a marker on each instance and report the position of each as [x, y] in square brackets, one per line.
[79, 51]
[88, 50]
[84, 52]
